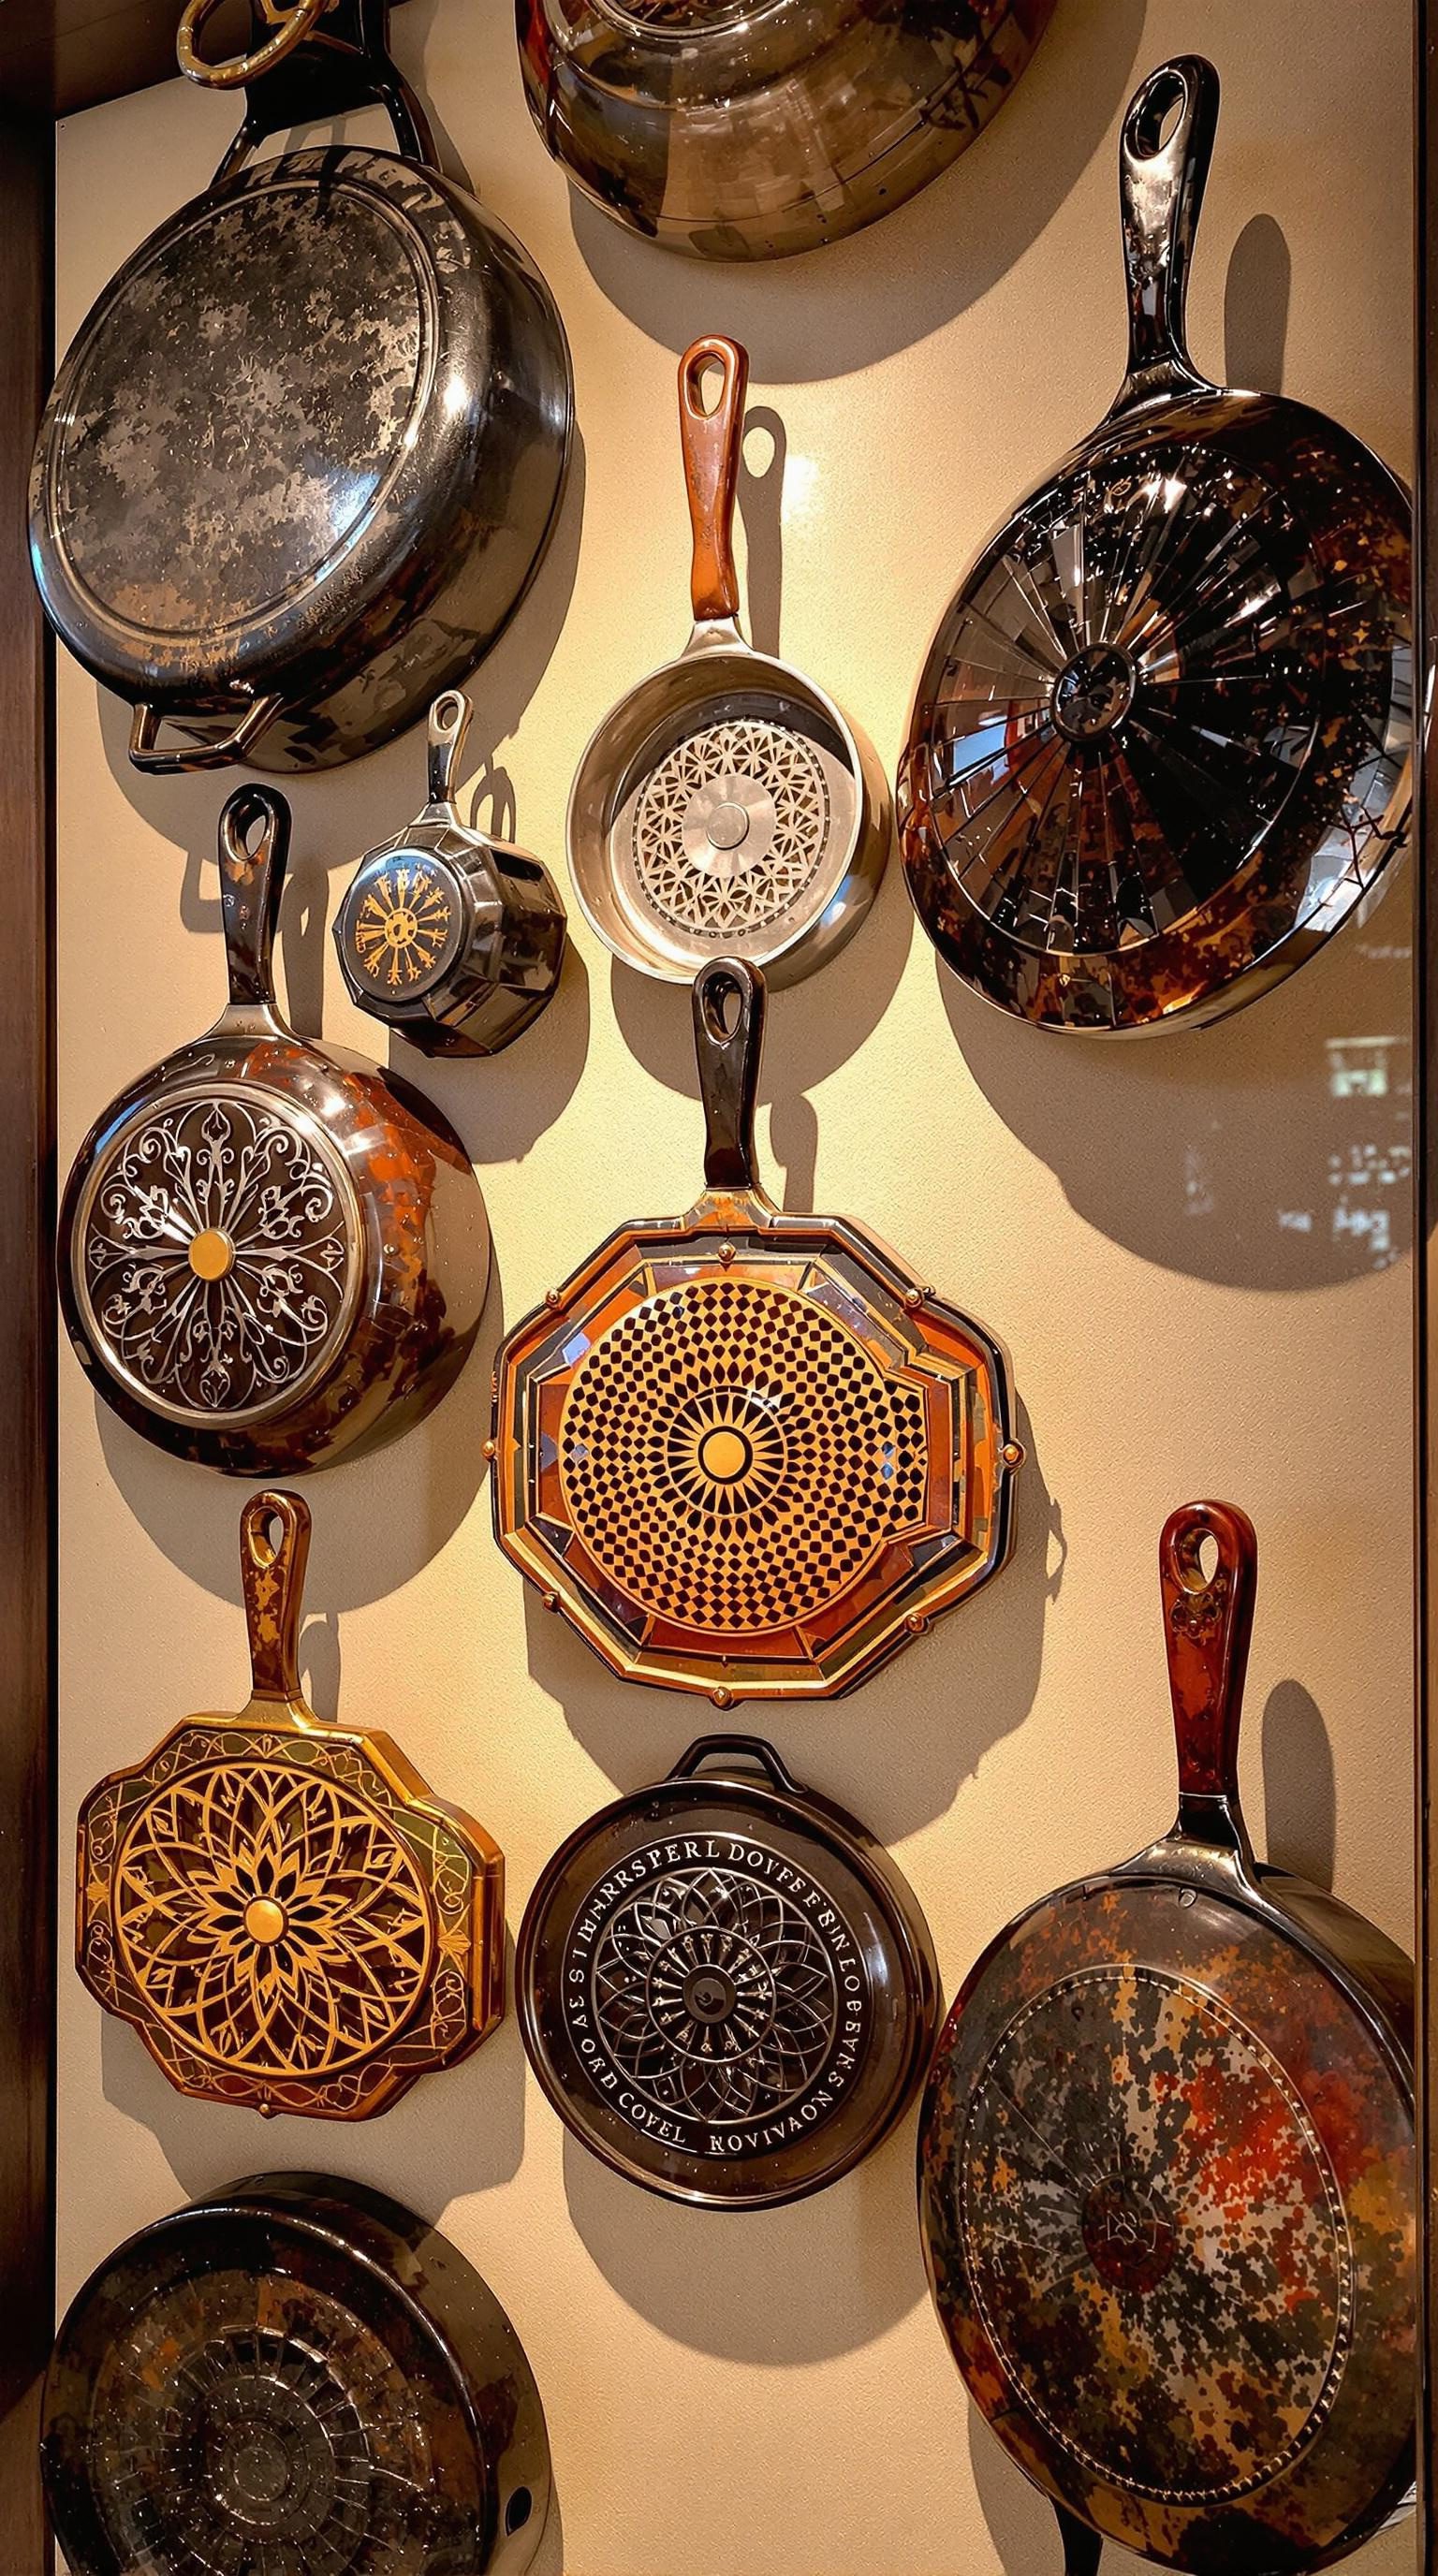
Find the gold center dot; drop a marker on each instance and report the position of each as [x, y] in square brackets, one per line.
[264, 1920]
[401, 929]
[211, 1254]
[724, 1455]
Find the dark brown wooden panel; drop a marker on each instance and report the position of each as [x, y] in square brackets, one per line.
[27, 1936]
[1426, 1267]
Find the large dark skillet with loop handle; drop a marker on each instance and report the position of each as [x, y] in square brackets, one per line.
[1166, 2167]
[306, 451]
[1159, 749]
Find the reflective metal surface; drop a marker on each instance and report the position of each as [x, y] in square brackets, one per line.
[747, 132]
[452, 938]
[725, 806]
[1159, 749]
[305, 453]
[295, 2374]
[270, 1253]
[725, 1985]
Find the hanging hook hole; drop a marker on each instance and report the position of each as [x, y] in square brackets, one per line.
[1207, 1556]
[706, 385]
[518, 2509]
[723, 1007]
[1157, 114]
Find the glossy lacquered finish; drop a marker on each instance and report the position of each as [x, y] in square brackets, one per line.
[283, 1910]
[743, 1451]
[725, 1985]
[1160, 748]
[725, 806]
[1167, 2166]
[738, 131]
[271, 1254]
[305, 453]
[292, 2377]
[453, 938]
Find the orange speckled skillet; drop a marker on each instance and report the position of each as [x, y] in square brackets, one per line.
[1166, 2171]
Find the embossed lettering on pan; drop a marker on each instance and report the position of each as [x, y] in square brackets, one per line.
[725, 1986]
[281, 1909]
[1160, 747]
[306, 452]
[271, 1254]
[1166, 2166]
[292, 2377]
[452, 938]
[737, 131]
[744, 1451]
[725, 806]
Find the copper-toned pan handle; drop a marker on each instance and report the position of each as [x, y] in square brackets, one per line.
[272, 1570]
[1208, 1620]
[712, 441]
[291, 25]
[252, 874]
[728, 1058]
[1160, 183]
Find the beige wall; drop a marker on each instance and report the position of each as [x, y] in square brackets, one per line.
[1151, 1230]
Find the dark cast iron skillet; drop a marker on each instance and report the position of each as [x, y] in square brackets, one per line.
[1166, 2168]
[293, 2377]
[306, 451]
[725, 1984]
[1159, 749]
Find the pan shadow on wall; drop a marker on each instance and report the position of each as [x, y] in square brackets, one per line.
[930, 1715]
[830, 311]
[364, 800]
[453, 2134]
[1021, 2521]
[378, 1520]
[772, 2286]
[1299, 1796]
[1274, 1149]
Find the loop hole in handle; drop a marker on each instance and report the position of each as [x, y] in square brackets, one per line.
[291, 26]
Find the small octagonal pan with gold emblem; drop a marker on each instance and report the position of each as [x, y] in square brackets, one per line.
[280, 1907]
[743, 1450]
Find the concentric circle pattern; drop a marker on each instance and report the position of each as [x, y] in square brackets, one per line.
[1154, 2237]
[271, 1920]
[714, 1995]
[733, 1457]
[730, 827]
[252, 2424]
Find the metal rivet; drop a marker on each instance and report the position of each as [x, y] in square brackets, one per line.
[916, 1623]
[912, 1301]
[722, 1698]
[550, 1600]
[726, 1252]
[491, 1448]
[1013, 1453]
[552, 1297]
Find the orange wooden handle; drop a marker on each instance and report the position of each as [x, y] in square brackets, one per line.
[712, 442]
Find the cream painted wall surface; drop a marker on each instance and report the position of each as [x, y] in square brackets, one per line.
[1195, 1251]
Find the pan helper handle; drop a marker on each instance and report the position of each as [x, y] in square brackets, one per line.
[712, 441]
[291, 25]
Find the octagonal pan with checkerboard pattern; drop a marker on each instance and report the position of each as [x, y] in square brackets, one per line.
[743, 1451]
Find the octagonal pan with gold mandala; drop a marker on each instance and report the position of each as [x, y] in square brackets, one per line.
[283, 1911]
[743, 1451]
